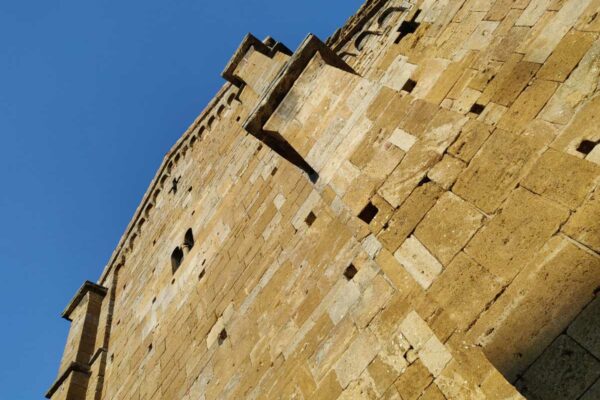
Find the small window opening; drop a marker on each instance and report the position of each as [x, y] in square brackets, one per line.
[310, 218]
[408, 27]
[201, 274]
[174, 185]
[154, 300]
[477, 108]
[368, 213]
[424, 181]
[222, 336]
[350, 272]
[176, 258]
[188, 240]
[149, 347]
[190, 189]
[238, 119]
[274, 171]
[586, 146]
[409, 86]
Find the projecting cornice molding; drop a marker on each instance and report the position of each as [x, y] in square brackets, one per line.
[72, 368]
[269, 48]
[83, 290]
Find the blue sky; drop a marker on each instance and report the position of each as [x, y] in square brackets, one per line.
[92, 95]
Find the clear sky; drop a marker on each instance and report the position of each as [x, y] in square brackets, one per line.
[92, 95]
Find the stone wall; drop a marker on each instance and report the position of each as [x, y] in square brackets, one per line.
[408, 212]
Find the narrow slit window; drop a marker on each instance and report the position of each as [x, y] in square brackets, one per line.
[368, 213]
[310, 218]
[188, 240]
[176, 258]
[222, 337]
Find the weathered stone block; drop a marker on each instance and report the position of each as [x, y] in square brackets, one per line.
[586, 326]
[464, 289]
[418, 261]
[414, 381]
[562, 178]
[564, 371]
[448, 226]
[523, 225]
[497, 168]
[584, 225]
[531, 308]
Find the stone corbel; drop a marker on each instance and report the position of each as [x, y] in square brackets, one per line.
[277, 91]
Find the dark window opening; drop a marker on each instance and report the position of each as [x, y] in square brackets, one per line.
[149, 347]
[424, 181]
[586, 146]
[188, 240]
[477, 108]
[409, 86]
[408, 27]
[174, 185]
[201, 274]
[274, 171]
[368, 213]
[176, 259]
[350, 272]
[310, 218]
[222, 336]
[154, 300]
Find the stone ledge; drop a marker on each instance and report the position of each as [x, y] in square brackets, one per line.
[269, 47]
[284, 81]
[83, 290]
[73, 367]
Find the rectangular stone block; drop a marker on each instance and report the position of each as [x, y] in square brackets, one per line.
[527, 106]
[406, 218]
[564, 371]
[525, 223]
[448, 226]
[418, 261]
[532, 312]
[354, 361]
[563, 178]
[497, 168]
[464, 289]
[586, 326]
[566, 56]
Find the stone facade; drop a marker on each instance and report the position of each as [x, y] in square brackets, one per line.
[409, 210]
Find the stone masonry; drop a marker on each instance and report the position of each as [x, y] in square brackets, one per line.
[409, 210]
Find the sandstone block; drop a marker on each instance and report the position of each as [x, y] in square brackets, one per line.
[402, 139]
[528, 105]
[464, 289]
[446, 171]
[524, 224]
[414, 381]
[448, 226]
[584, 225]
[435, 356]
[545, 43]
[564, 371]
[566, 56]
[404, 220]
[470, 140]
[418, 261]
[497, 168]
[562, 178]
[586, 326]
[358, 356]
[531, 308]
[416, 330]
